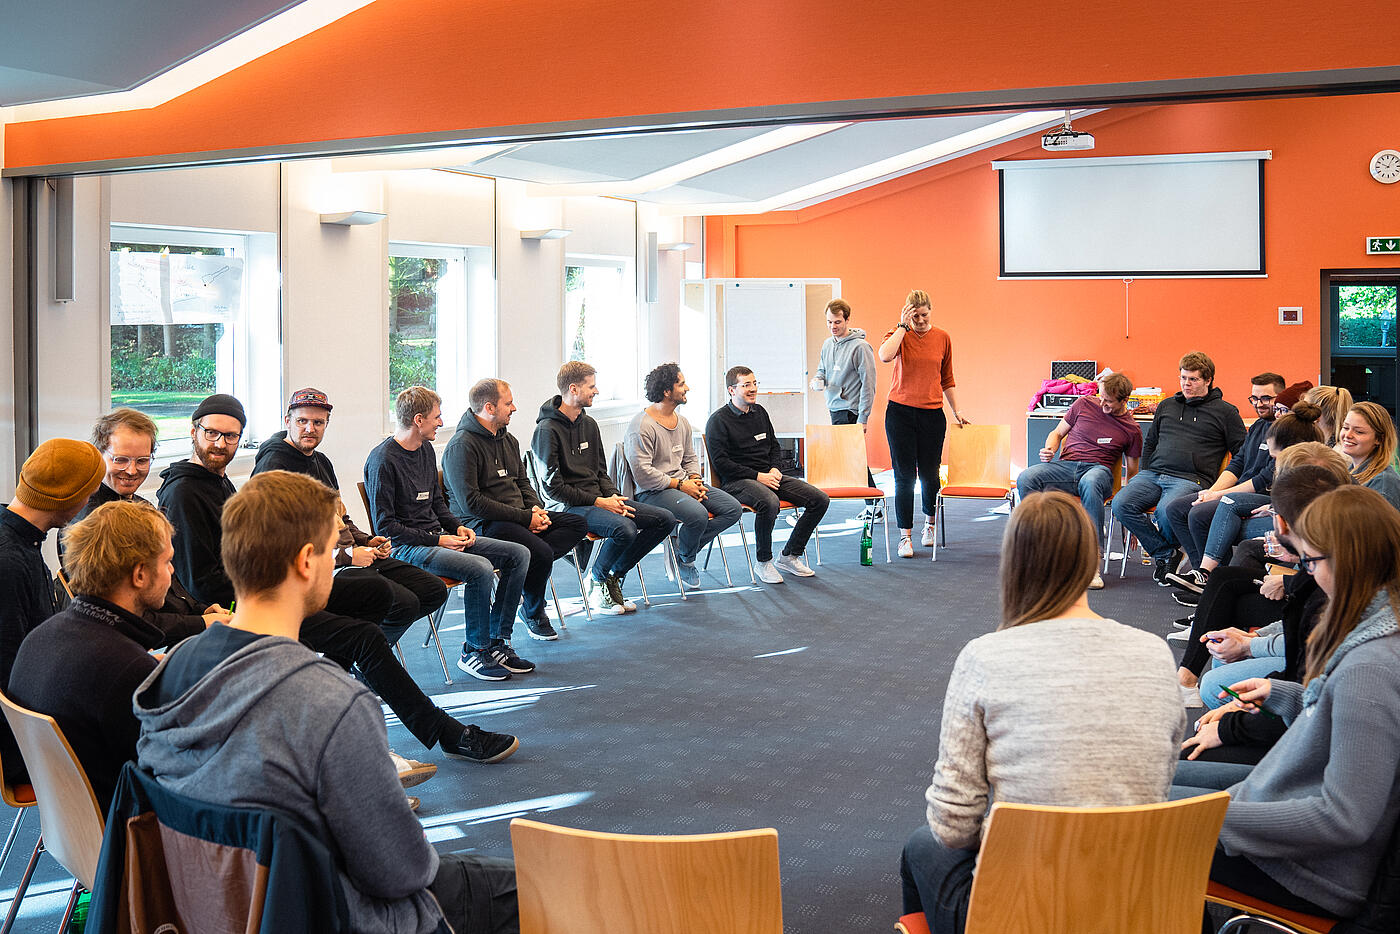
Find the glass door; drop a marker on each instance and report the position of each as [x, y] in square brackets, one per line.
[1364, 338]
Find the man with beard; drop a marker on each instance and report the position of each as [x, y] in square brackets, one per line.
[193, 493]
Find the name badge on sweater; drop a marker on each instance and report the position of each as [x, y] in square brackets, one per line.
[760, 436]
[502, 472]
[1105, 441]
[583, 445]
[421, 496]
[675, 449]
[1264, 446]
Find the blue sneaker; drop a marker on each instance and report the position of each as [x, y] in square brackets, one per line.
[688, 572]
[482, 666]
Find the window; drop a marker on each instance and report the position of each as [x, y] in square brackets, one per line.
[441, 327]
[600, 322]
[181, 301]
[1365, 315]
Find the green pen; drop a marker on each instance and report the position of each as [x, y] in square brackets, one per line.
[1261, 707]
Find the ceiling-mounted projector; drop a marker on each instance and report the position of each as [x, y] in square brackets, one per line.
[1066, 140]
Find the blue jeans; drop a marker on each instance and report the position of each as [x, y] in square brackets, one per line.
[486, 621]
[1147, 489]
[1210, 529]
[1197, 777]
[700, 521]
[937, 881]
[1092, 483]
[627, 540]
[1224, 675]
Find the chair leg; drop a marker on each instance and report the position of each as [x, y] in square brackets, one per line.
[1108, 542]
[748, 556]
[673, 562]
[433, 621]
[723, 559]
[582, 594]
[23, 886]
[817, 537]
[885, 515]
[558, 611]
[1127, 547]
[72, 903]
[642, 579]
[398, 650]
[10, 840]
[938, 525]
[1243, 923]
[709, 550]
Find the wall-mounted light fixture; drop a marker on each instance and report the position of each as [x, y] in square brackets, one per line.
[353, 218]
[680, 246]
[547, 233]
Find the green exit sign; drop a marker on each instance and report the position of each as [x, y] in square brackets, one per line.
[1383, 244]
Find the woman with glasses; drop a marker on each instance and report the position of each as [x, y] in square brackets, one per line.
[1367, 438]
[1014, 718]
[915, 424]
[1308, 826]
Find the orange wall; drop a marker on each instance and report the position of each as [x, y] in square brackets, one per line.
[938, 230]
[420, 66]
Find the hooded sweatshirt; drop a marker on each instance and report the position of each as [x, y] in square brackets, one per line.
[571, 454]
[1190, 437]
[276, 454]
[485, 476]
[192, 498]
[273, 726]
[848, 366]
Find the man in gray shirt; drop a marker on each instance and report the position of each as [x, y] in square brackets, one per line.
[667, 471]
[846, 371]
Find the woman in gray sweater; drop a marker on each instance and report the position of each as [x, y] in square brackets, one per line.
[1015, 708]
[1308, 826]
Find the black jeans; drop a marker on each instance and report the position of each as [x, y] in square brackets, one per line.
[916, 449]
[564, 532]
[847, 417]
[1231, 598]
[1240, 874]
[764, 503]
[477, 893]
[348, 641]
[391, 592]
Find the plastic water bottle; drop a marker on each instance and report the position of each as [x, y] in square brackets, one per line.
[867, 547]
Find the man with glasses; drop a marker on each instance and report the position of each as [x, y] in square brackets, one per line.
[744, 449]
[193, 493]
[1181, 454]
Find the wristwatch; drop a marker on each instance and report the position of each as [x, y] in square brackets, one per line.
[902, 325]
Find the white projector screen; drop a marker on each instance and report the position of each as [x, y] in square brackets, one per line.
[1199, 214]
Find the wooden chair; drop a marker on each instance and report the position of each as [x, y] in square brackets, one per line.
[837, 465]
[435, 618]
[747, 510]
[19, 796]
[70, 821]
[586, 882]
[712, 478]
[979, 467]
[1257, 913]
[1057, 870]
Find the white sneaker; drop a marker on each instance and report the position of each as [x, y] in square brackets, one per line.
[1181, 635]
[1191, 697]
[1097, 582]
[600, 600]
[768, 573]
[927, 537]
[906, 547]
[794, 565]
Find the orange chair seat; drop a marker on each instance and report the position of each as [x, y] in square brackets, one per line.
[1225, 895]
[782, 504]
[986, 492]
[853, 492]
[24, 794]
[912, 924]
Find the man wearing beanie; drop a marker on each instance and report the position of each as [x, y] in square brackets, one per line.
[54, 485]
[192, 494]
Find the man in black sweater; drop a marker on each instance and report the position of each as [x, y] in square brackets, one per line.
[569, 448]
[1182, 453]
[744, 449]
[368, 583]
[487, 485]
[193, 494]
[54, 483]
[82, 665]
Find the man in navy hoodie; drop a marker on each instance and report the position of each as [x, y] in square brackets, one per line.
[1182, 454]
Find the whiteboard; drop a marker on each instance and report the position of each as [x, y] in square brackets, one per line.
[765, 330]
[1192, 214]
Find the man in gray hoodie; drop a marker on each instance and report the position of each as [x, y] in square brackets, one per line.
[245, 715]
[846, 370]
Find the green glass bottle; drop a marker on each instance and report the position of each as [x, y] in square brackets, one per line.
[867, 546]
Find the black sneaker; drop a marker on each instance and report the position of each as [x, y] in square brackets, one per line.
[477, 745]
[1185, 622]
[1186, 597]
[1166, 566]
[482, 666]
[614, 588]
[1194, 580]
[538, 628]
[502, 654]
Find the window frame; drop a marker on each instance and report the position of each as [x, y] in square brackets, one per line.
[629, 388]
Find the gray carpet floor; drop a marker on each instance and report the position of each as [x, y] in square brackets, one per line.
[811, 706]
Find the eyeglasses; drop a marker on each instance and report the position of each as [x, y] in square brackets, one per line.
[1308, 562]
[122, 463]
[1262, 400]
[213, 434]
[750, 384]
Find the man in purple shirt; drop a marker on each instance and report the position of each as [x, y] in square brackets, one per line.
[1094, 435]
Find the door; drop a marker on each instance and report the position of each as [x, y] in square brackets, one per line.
[1363, 337]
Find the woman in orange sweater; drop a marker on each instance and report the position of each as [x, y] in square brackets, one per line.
[915, 423]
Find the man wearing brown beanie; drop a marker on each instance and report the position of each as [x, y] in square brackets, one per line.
[54, 485]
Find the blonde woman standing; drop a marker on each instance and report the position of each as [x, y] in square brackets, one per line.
[915, 423]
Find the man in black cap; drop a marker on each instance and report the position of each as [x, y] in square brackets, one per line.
[368, 583]
[193, 493]
[54, 484]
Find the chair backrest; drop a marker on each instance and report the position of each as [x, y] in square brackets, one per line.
[711, 476]
[621, 472]
[369, 512]
[68, 814]
[587, 882]
[979, 455]
[1055, 870]
[835, 456]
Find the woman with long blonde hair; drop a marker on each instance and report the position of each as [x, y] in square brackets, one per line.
[1308, 827]
[1015, 708]
[1335, 402]
[1367, 438]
